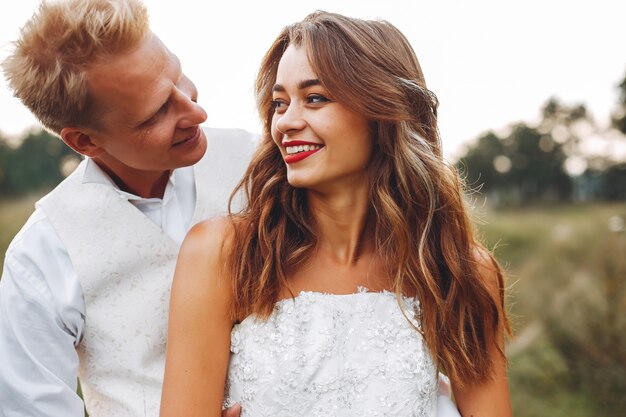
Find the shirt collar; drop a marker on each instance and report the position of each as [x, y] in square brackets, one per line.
[95, 175]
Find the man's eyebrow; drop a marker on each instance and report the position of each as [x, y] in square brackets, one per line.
[301, 85]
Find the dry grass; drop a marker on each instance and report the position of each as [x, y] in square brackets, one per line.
[567, 270]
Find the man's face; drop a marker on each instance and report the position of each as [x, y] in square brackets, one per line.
[148, 118]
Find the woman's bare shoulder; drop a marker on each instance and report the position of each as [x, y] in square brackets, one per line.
[215, 228]
[203, 256]
[209, 239]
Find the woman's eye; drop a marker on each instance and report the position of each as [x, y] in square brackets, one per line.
[279, 106]
[317, 99]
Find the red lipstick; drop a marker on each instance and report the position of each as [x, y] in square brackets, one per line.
[299, 156]
[295, 157]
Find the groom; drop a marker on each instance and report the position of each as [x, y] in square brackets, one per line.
[85, 287]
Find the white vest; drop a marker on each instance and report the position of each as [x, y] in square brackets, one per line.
[125, 264]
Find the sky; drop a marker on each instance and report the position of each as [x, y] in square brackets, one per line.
[491, 63]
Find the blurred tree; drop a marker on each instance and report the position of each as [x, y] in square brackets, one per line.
[565, 157]
[619, 116]
[614, 177]
[613, 183]
[35, 164]
[570, 126]
[5, 155]
[537, 166]
[477, 164]
[523, 167]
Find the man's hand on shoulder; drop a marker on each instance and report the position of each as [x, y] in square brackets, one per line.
[233, 411]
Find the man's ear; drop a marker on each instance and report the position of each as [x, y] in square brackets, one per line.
[81, 142]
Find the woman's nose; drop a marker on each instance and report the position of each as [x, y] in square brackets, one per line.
[292, 120]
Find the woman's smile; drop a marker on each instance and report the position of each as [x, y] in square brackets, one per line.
[297, 150]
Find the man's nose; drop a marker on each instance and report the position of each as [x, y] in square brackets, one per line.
[192, 113]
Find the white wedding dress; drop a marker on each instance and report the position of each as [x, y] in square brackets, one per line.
[333, 355]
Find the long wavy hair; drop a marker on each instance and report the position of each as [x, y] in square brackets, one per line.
[422, 231]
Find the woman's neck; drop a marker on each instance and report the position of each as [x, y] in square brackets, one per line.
[345, 228]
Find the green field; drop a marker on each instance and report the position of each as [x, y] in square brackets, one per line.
[567, 301]
[13, 214]
[566, 268]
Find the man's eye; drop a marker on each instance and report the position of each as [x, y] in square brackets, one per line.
[317, 99]
[155, 118]
[151, 120]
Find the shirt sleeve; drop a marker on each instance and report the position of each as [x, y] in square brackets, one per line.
[41, 322]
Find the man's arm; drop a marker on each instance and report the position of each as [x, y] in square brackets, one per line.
[41, 318]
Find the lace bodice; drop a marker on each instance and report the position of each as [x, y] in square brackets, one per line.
[332, 355]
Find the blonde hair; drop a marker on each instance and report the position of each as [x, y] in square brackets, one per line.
[422, 230]
[47, 68]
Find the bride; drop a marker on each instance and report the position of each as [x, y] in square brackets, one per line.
[351, 277]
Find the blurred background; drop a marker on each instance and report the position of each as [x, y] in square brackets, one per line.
[533, 114]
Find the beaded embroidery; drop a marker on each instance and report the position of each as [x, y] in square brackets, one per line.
[332, 355]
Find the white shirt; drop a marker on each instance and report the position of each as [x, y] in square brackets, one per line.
[42, 312]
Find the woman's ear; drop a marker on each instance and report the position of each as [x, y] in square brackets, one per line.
[80, 142]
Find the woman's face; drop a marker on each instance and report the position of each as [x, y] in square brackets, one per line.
[326, 145]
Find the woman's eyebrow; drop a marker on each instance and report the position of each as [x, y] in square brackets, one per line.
[301, 85]
[308, 83]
